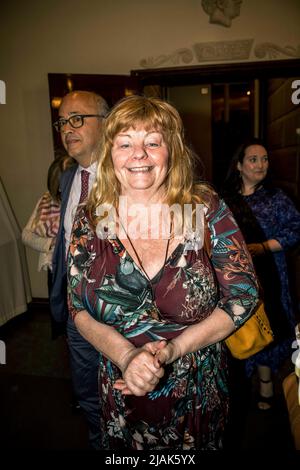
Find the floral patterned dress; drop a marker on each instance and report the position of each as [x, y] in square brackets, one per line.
[188, 408]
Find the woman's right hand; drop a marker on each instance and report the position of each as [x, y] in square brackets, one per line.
[141, 373]
[256, 249]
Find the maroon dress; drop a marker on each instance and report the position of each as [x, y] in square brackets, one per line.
[189, 406]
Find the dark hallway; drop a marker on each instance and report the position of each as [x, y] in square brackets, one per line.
[35, 392]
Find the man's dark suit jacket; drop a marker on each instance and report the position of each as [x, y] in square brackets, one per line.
[58, 295]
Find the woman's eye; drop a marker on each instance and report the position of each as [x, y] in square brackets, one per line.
[124, 146]
[253, 160]
[152, 144]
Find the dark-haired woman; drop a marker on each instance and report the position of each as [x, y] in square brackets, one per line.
[270, 224]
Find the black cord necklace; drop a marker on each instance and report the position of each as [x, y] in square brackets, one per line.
[154, 311]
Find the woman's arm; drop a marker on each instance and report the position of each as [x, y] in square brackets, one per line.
[237, 286]
[136, 364]
[31, 239]
[260, 249]
[209, 331]
[34, 241]
[287, 229]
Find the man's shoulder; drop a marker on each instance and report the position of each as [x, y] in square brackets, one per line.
[68, 174]
[70, 171]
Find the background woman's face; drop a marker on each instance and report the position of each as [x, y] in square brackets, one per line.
[255, 165]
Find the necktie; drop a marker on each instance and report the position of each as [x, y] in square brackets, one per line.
[84, 186]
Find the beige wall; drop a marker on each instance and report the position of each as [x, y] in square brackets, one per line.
[109, 37]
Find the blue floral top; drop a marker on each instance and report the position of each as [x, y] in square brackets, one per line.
[279, 219]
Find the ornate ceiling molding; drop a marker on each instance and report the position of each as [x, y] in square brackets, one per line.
[181, 56]
[224, 51]
[271, 50]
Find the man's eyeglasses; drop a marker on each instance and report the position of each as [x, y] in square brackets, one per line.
[75, 121]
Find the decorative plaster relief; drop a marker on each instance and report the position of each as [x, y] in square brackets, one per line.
[222, 12]
[203, 52]
[184, 56]
[271, 50]
[223, 50]
[220, 51]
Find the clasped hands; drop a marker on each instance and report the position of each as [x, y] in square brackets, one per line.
[143, 367]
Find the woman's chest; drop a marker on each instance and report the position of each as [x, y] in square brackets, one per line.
[150, 256]
[184, 288]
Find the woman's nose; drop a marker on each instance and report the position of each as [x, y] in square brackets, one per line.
[260, 163]
[139, 152]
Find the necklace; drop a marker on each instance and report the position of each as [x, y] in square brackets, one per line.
[154, 311]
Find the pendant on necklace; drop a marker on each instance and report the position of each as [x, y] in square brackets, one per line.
[127, 266]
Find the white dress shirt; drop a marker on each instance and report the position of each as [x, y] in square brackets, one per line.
[74, 197]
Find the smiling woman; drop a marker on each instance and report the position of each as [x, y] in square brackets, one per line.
[157, 309]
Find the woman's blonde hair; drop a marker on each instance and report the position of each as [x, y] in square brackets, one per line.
[153, 113]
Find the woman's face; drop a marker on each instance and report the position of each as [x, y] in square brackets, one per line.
[255, 165]
[140, 159]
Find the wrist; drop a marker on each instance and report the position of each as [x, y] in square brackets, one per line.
[265, 247]
[175, 350]
[125, 358]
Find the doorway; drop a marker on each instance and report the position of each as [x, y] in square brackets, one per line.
[227, 113]
[233, 121]
[194, 105]
[217, 118]
[236, 115]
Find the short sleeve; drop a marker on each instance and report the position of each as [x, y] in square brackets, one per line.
[238, 288]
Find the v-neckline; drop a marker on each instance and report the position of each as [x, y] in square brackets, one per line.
[153, 279]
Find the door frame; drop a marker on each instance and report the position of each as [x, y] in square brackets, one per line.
[258, 71]
[217, 73]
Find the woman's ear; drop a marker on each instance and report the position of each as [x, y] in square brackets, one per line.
[238, 166]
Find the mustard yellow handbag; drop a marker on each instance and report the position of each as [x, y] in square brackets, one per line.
[253, 336]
